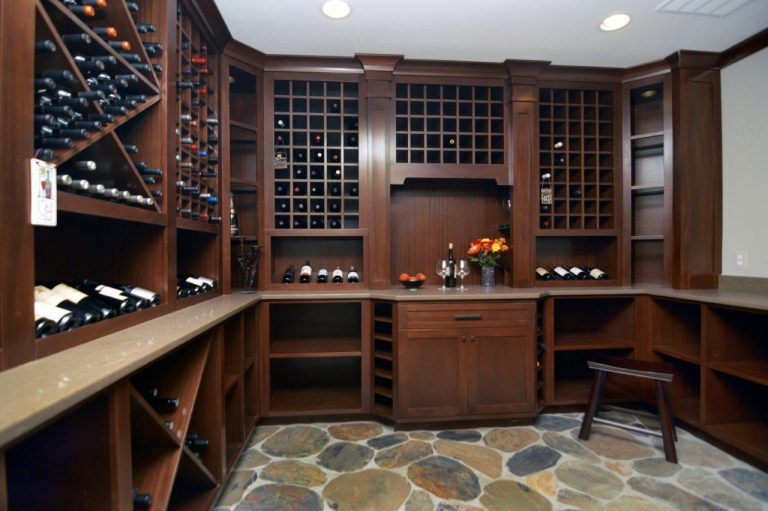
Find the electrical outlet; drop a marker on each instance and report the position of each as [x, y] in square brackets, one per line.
[741, 259]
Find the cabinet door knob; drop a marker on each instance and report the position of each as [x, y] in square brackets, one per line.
[473, 338]
[463, 338]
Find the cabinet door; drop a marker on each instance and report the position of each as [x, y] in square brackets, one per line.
[500, 365]
[432, 373]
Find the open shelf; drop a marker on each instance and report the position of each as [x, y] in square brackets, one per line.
[734, 412]
[676, 329]
[315, 347]
[327, 252]
[579, 249]
[326, 400]
[594, 322]
[736, 343]
[590, 341]
[685, 389]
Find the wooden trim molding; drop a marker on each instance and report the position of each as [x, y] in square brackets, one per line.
[744, 49]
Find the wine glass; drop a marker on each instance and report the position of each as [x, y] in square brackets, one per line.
[462, 270]
[443, 270]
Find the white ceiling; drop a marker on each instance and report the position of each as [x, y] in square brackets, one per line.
[562, 31]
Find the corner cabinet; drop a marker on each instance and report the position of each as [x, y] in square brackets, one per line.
[465, 360]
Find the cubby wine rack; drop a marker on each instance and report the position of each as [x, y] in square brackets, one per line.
[576, 152]
[105, 90]
[316, 130]
[449, 124]
[197, 128]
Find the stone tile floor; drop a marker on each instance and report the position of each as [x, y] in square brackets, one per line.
[367, 466]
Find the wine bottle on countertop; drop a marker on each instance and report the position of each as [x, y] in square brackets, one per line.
[322, 276]
[352, 275]
[337, 277]
[109, 295]
[45, 295]
[563, 274]
[82, 299]
[449, 281]
[579, 273]
[64, 319]
[44, 327]
[544, 274]
[288, 275]
[305, 275]
[141, 500]
[597, 274]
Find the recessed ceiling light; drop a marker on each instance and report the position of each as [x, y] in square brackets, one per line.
[336, 9]
[649, 93]
[615, 22]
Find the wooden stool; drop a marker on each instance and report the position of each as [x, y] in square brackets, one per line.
[660, 372]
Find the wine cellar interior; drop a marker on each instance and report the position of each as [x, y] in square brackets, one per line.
[232, 229]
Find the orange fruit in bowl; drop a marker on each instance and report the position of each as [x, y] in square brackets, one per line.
[412, 279]
[403, 277]
[421, 276]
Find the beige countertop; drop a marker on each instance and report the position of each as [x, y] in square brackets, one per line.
[36, 392]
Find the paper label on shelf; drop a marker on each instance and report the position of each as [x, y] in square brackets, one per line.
[111, 292]
[43, 203]
[70, 293]
[50, 312]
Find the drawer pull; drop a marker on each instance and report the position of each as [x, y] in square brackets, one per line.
[467, 317]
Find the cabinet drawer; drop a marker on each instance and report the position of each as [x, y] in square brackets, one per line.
[488, 314]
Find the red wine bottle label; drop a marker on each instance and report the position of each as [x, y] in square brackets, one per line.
[111, 292]
[70, 293]
[50, 311]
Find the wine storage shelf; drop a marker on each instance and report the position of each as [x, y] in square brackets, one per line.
[383, 360]
[197, 128]
[576, 159]
[105, 93]
[449, 124]
[316, 133]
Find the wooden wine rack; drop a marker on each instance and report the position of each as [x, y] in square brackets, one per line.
[197, 132]
[316, 128]
[576, 149]
[116, 167]
[449, 124]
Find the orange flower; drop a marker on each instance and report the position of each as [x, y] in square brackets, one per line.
[474, 248]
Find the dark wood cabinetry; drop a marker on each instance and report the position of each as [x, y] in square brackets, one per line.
[465, 360]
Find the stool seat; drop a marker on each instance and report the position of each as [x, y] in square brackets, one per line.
[660, 372]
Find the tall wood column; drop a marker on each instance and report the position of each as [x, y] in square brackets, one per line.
[697, 193]
[17, 252]
[379, 94]
[523, 118]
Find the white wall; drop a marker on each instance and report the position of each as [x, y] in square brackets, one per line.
[745, 165]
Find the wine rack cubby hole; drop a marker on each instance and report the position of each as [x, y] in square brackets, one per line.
[449, 124]
[383, 360]
[316, 130]
[197, 128]
[582, 251]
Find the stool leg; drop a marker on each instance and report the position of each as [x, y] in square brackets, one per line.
[667, 428]
[595, 395]
[665, 390]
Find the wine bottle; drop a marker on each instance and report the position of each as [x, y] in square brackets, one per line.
[449, 280]
[44, 327]
[44, 46]
[352, 275]
[205, 280]
[141, 500]
[544, 274]
[322, 276]
[288, 275]
[138, 292]
[234, 230]
[203, 283]
[597, 274]
[563, 273]
[194, 442]
[305, 275]
[167, 404]
[337, 277]
[83, 300]
[45, 295]
[64, 319]
[109, 295]
[579, 273]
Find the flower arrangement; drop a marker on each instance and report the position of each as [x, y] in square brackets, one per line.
[487, 252]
